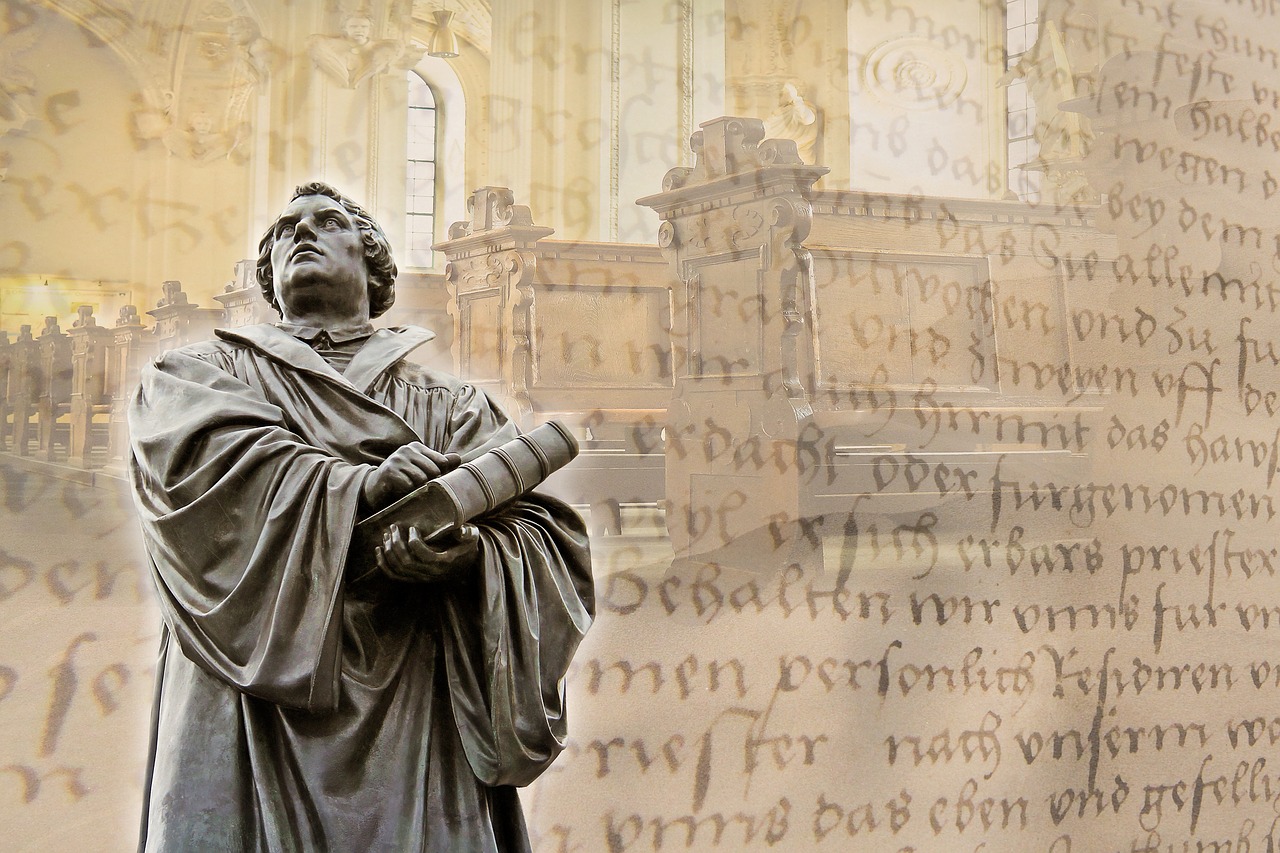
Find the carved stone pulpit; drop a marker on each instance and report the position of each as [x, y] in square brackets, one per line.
[490, 277]
[732, 227]
[132, 345]
[89, 350]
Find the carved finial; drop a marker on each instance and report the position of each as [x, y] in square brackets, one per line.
[730, 145]
[246, 274]
[488, 206]
[173, 294]
[84, 317]
[494, 207]
[50, 327]
[128, 316]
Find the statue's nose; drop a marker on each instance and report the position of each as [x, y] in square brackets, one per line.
[304, 226]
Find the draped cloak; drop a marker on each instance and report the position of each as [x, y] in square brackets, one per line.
[301, 705]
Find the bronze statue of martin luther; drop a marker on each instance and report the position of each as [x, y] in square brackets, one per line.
[302, 705]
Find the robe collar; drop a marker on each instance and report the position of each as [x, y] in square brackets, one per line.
[339, 335]
[384, 348]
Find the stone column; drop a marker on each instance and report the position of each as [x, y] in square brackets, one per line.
[732, 229]
[490, 278]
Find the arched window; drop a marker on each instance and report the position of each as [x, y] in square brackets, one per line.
[1021, 28]
[420, 191]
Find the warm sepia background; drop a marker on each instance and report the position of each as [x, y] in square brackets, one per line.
[930, 401]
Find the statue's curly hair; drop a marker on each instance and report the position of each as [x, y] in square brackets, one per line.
[377, 252]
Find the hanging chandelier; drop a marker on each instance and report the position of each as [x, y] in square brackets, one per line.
[444, 43]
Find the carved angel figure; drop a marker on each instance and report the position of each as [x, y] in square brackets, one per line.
[17, 83]
[795, 119]
[199, 141]
[355, 56]
[255, 56]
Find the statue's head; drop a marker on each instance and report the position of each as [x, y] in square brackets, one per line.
[379, 268]
[358, 28]
[201, 122]
[243, 30]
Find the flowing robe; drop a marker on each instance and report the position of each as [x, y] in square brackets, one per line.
[301, 706]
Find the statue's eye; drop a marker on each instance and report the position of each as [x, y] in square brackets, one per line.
[286, 230]
[333, 223]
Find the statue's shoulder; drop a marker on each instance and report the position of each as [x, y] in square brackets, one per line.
[213, 346]
[426, 378]
[214, 349]
[193, 360]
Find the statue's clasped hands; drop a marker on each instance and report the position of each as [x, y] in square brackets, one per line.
[404, 554]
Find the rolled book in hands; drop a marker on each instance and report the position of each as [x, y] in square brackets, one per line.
[473, 488]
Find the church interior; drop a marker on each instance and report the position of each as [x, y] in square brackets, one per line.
[920, 352]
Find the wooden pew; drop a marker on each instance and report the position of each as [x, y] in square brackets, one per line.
[615, 389]
[179, 322]
[241, 300]
[532, 319]
[963, 308]
[732, 229]
[818, 337]
[53, 391]
[6, 406]
[90, 397]
[132, 345]
[24, 369]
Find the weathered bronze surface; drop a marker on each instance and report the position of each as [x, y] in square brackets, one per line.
[298, 707]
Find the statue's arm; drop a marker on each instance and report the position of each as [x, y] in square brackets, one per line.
[247, 529]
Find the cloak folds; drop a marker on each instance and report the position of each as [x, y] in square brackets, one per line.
[298, 709]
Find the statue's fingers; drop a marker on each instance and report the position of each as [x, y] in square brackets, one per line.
[428, 461]
[418, 548]
[437, 458]
[459, 549]
[384, 564]
[397, 550]
[425, 467]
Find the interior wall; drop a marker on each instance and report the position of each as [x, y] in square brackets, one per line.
[924, 99]
[580, 107]
[92, 198]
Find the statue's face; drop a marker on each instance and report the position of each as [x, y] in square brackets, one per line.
[358, 29]
[242, 30]
[317, 260]
[202, 123]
